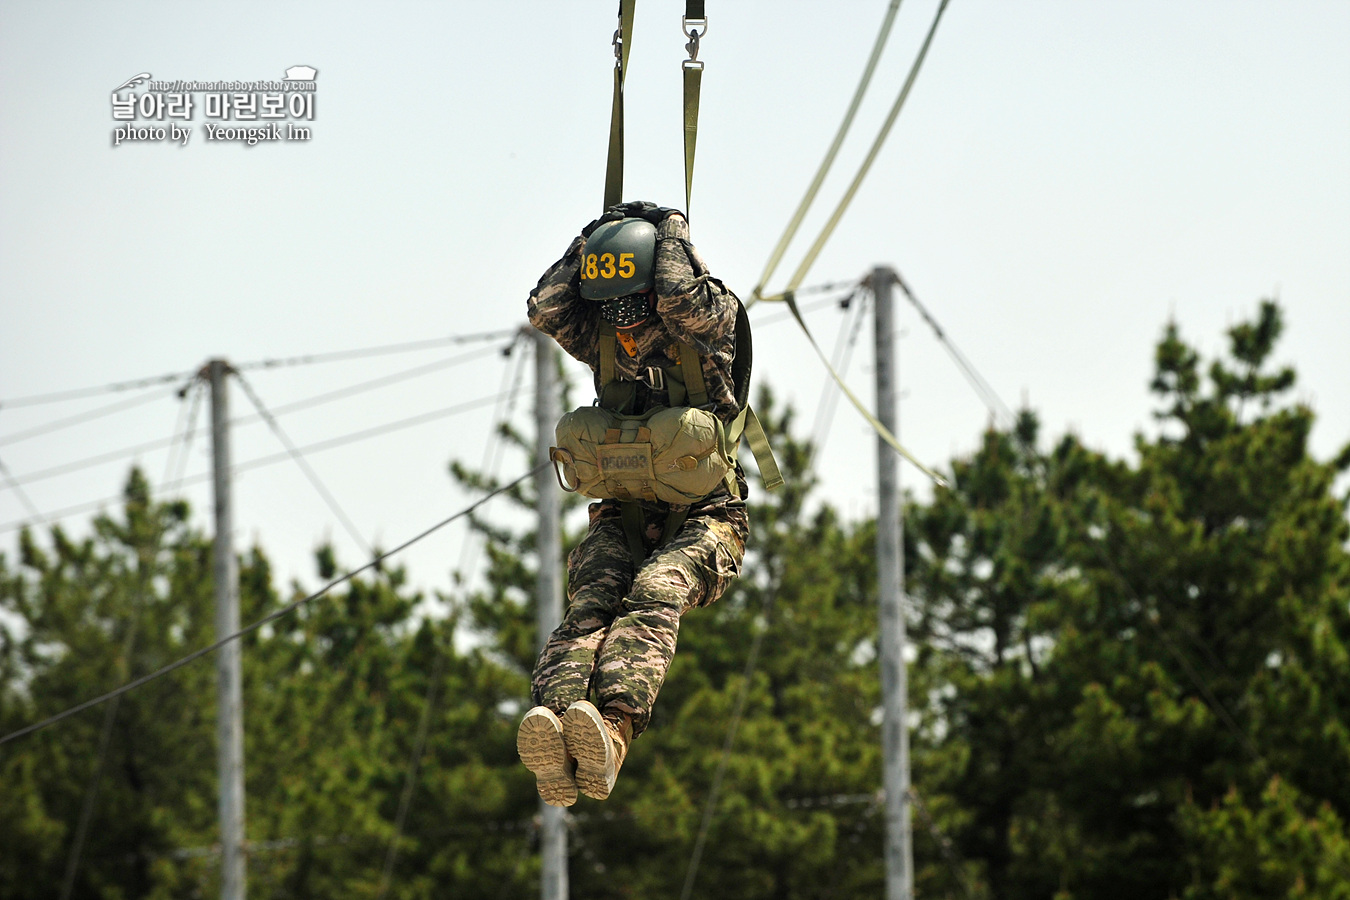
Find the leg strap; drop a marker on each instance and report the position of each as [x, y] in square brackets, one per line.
[633, 527]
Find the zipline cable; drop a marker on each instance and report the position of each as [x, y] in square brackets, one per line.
[810, 258]
[295, 454]
[788, 233]
[270, 617]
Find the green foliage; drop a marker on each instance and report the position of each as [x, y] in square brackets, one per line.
[1114, 655]
[1131, 679]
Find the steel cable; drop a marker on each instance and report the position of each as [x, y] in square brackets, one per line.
[270, 617]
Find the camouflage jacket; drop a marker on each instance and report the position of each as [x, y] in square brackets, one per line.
[691, 305]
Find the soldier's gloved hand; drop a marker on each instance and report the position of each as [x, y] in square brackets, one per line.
[643, 209]
[610, 215]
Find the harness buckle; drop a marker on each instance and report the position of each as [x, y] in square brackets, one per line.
[653, 376]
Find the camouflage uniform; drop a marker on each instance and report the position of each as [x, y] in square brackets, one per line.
[618, 636]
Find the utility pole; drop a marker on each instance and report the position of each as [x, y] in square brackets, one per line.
[549, 587]
[891, 590]
[229, 690]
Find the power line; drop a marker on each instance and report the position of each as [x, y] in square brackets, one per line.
[171, 488]
[270, 617]
[372, 384]
[263, 461]
[997, 407]
[69, 421]
[317, 400]
[977, 381]
[943, 842]
[14, 485]
[438, 666]
[492, 452]
[305, 467]
[410, 781]
[843, 355]
[77, 393]
[805, 308]
[381, 350]
[361, 352]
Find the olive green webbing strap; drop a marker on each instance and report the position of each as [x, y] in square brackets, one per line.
[693, 81]
[609, 337]
[788, 233]
[747, 425]
[693, 78]
[633, 527]
[691, 367]
[614, 165]
[674, 522]
[881, 430]
[807, 261]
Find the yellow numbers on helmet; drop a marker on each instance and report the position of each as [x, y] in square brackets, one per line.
[602, 266]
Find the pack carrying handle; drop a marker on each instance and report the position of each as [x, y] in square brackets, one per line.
[558, 455]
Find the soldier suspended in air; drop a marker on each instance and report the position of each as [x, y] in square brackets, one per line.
[669, 345]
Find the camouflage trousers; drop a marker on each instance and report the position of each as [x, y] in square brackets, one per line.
[617, 639]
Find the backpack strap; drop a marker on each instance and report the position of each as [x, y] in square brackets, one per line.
[691, 366]
[609, 336]
[633, 527]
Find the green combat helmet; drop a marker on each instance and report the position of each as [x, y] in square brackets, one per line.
[618, 259]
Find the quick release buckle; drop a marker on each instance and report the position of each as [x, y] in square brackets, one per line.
[653, 376]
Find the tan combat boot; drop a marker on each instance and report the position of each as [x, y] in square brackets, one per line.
[540, 745]
[599, 745]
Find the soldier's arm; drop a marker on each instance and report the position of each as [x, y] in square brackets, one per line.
[557, 309]
[695, 307]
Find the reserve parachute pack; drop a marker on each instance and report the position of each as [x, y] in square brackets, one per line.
[678, 454]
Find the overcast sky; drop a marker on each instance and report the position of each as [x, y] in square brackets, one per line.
[1065, 177]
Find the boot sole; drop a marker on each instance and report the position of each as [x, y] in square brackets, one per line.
[540, 745]
[586, 739]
